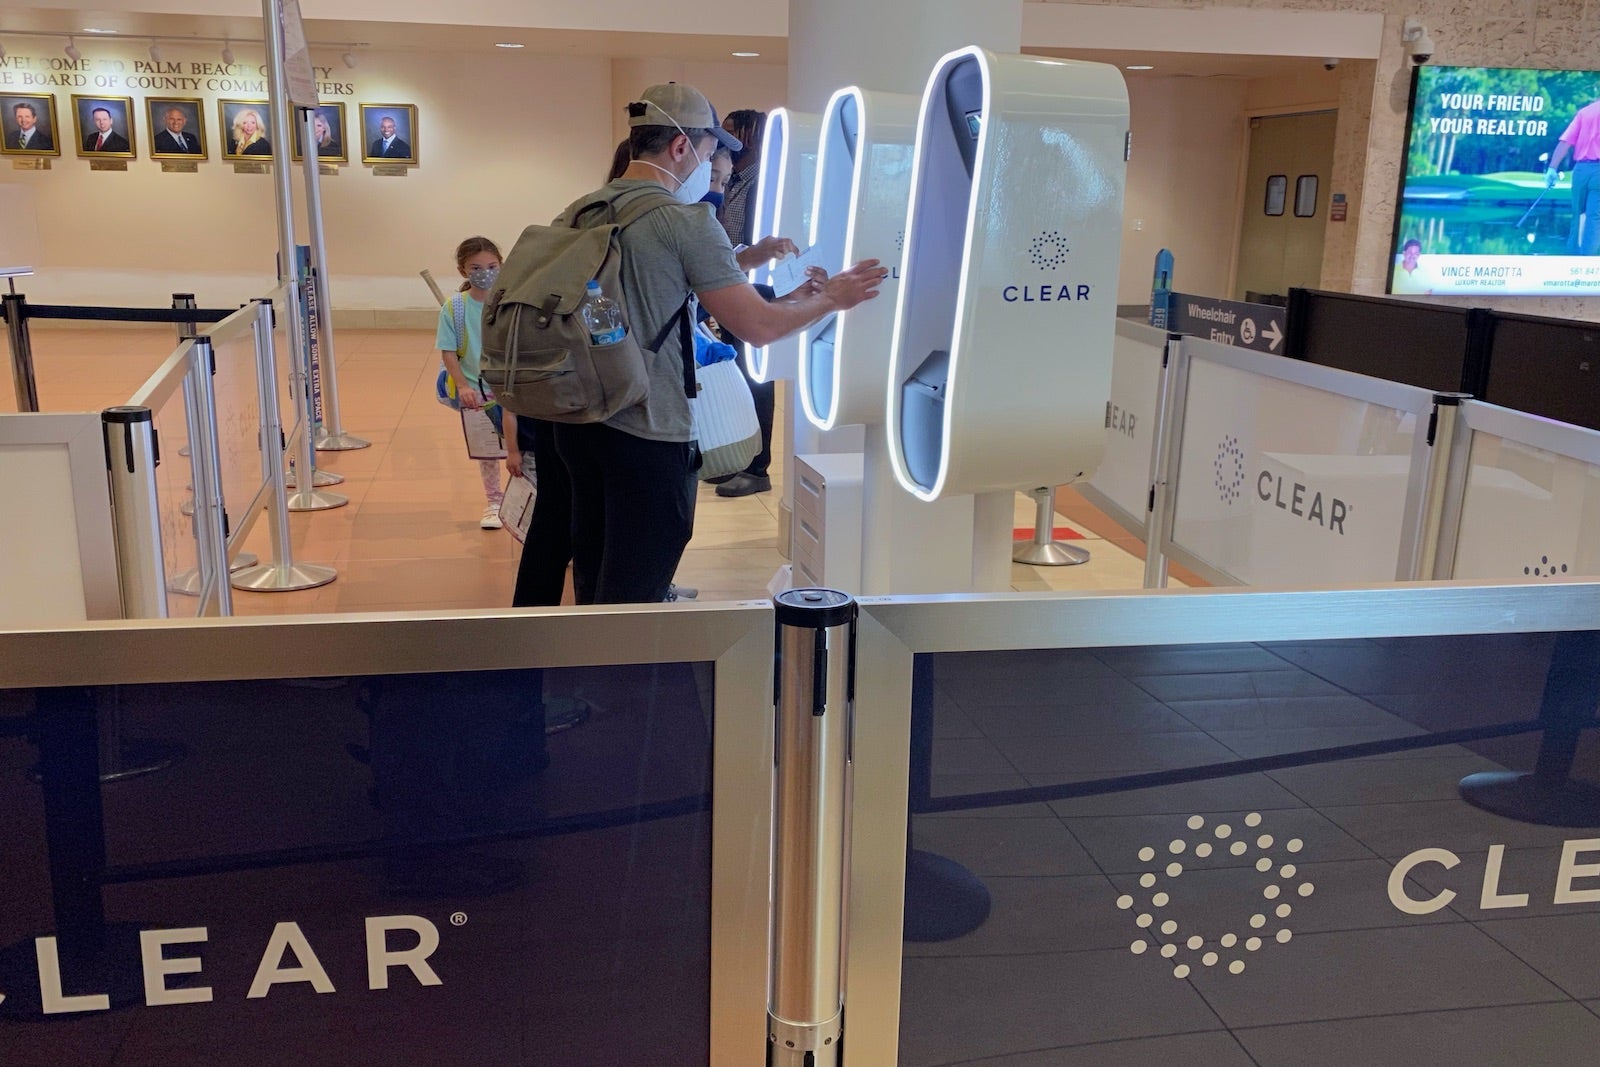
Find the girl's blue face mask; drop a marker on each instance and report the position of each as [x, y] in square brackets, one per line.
[714, 199]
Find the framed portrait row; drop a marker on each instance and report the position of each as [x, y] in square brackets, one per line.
[106, 127]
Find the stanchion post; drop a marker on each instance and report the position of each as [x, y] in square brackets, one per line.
[205, 450]
[1042, 549]
[805, 1012]
[1431, 558]
[132, 453]
[283, 574]
[184, 302]
[1155, 523]
[23, 383]
[333, 438]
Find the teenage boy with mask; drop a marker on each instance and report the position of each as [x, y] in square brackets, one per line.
[633, 475]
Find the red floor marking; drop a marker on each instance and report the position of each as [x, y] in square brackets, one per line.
[1062, 533]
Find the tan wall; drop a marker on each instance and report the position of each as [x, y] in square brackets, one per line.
[505, 139]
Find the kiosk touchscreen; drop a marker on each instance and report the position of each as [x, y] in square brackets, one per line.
[785, 179]
[1001, 363]
[858, 212]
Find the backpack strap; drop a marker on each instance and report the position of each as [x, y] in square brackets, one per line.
[458, 311]
[683, 320]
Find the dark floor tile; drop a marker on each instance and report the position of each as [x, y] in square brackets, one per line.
[1224, 686]
[959, 1009]
[1244, 792]
[1051, 719]
[1115, 842]
[1359, 973]
[1005, 846]
[957, 785]
[1193, 659]
[1349, 782]
[1033, 915]
[974, 691]
[1563, 948]
[1190, 1050]
[1524, 1035]
[1110, 754]
[1254, 744]
[1396, 830]
[968, 755]
[1278, 713]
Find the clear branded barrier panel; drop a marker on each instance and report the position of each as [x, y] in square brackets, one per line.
[239, 429]
[1278, 852]
[1530, 502]
[389, 866]
[1121, 484]
[175, 479]
[1289, 474]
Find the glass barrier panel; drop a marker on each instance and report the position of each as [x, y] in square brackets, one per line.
[388, 869]
[175, 494]
[1226, 855]
[1527, 513]
[1278, 482]
[239, 431]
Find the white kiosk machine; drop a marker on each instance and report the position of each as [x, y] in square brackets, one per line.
[859, 212]
[785, 180]
[1001, 363]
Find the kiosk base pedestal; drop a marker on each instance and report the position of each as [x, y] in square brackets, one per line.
[944, 900]
[1049, 554]
[1525, 798]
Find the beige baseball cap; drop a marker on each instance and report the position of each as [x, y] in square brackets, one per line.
[683, 106]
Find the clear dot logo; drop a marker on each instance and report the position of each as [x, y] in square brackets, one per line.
[900, 241]
[1545, 569]
[1263, 918]
[1228, 469]
[1049, 250]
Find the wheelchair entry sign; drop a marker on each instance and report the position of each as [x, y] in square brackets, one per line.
[1260, 327]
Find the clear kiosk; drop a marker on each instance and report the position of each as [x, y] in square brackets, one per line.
[859, 212]
[1001, 362]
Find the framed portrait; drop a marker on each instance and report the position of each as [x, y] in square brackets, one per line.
[332, 144]
[29, 125]
[388, 133]
[245, 130]
[104, 126]
[177, 127]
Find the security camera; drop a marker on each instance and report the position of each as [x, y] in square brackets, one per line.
[1418, 44]
[1330, 63]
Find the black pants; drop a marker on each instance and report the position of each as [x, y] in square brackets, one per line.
[632, 512]
[765, 395]
[542, 574]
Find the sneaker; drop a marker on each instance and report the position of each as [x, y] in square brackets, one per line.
[681, 592]
[745, 485]
[491, 518]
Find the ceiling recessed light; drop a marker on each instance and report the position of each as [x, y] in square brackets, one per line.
[91, 29]
[1139, 66]
[747, 55]
[509, 44]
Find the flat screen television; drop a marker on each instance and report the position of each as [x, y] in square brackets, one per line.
[1476, 215]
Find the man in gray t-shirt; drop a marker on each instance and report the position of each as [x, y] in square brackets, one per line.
[632, 476]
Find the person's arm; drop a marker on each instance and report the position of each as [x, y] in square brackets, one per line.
[1563, 149]
[466, 392]
[765, 251]
[742, 310]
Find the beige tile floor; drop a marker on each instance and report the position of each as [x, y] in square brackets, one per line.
[409, 539]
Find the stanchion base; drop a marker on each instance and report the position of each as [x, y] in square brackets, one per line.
[186, 582]
[115, 971]
[318, 478]
[340, 442]
[244, 561]
[944, 900]
[1053, 554]
[563, 713]
[315, 500]
[271, 578]
[1524, 798]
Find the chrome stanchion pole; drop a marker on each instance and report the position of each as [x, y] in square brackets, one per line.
[1434, 559]
[184, 302]
[131, 458]
[283, 574]
[334, 438]
[132, 454]
[1155, 524]
[1042, 549]
[210, 513]
[805, 1008]
[23, 383]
